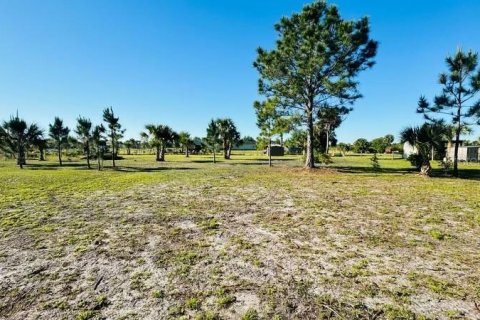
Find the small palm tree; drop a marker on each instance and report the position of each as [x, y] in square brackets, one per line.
[98, 141]
[59, 134]
[84, 132]
[213, 136]
[229, 134]
[115, 131]
[185, 141]
[428, 137]
[160, 136]
[16, 136]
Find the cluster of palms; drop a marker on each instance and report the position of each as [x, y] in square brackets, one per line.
[103, 140]
[17, 137]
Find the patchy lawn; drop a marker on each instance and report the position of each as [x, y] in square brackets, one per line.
[189, 239]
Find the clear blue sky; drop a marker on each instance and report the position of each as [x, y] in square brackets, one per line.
[183, 62]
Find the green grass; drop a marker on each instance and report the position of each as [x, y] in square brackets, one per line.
[191, 239]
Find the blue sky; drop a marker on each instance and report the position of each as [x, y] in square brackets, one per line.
[182, 62]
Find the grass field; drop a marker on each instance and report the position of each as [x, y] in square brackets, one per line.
[238, 240]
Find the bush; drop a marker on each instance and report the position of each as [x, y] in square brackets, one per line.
[416, 160]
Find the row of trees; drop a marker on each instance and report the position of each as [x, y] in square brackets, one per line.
[17, 137]
[103, 140]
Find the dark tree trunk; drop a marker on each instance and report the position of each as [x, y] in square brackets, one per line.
[225, 149]
[157, 157]
[88, 155]
[214, 159]
[310, 160]
[270, 151]
[162, 153]
[60, 154]
[455, 154]
[21, 157]
[186, 152]
[113, 151]
[229, 150]
[42, 154]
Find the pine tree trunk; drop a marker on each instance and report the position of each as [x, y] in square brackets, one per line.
[113, 151]
[88, 155]
[310, 160]
[455, 154]
[327, 145]
[59, 154]
[214, 159]
[270, 151]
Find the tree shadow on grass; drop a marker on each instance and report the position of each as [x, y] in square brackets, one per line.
[146, 169]
[56, 166]
[468, 174]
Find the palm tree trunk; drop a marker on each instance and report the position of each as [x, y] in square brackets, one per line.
[157, 158]
[186, 151]
[42, 154]
[225, 149]
[162, 153]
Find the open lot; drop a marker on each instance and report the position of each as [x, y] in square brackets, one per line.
[190, 239]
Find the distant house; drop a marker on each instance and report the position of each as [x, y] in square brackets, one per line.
[465, 153]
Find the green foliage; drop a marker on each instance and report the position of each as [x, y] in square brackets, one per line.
[223, 298]
[360, 145]
[193, 303]
[375, 163]
[315, 44]
[250, 314]
[115, 131]
[16, 136]
[437, 234]
[460, 87]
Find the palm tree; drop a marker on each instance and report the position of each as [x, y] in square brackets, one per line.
[59, 134]
[426, 139]
[229, 134]
[115, 130]
[185, 141]
[98, 141]
[84, 132]
[160, 136]
[41, 144]
[129, 144]
[16, 137]
[213, 135]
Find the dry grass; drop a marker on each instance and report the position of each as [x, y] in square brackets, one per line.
[189, 239]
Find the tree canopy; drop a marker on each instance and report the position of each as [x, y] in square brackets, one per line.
[314, 63]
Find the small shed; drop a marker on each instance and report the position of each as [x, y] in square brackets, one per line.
[465, 153]
[276, 150]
